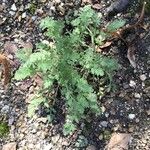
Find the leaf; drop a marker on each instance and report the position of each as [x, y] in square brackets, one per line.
[131, 55]
[119, 141]
[36, 101]
[68, 128]
[106, 44]
[113, 26]
[23, 72]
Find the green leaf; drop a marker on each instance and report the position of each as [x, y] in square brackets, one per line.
[35, 102]
[23, 72]
[68, 128]
[113, 26]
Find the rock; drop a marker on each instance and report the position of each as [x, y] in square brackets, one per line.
[131, 116]
[13, 7]
[48, 146]
[132, 83]
[143, 77]
[104, 123]
[100, 136]
[106, 114]
[5, 109]
[137, 95]
[11, 120]
[31, 146]
[12, 13]
[117, 6]
[24, 15]
[10, 146]
[91, 147]
[55, 139]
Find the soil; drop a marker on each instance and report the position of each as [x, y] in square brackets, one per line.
[124, 110]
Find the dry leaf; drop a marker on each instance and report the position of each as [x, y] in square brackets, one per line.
[107, 44]
[7, 71]
[10, 146]
[38, 80]
[131, 55]
[119, 141]
[97, 6]
[100, 48]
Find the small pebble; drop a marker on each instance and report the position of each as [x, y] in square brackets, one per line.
[132, 83]
[12, 13]
[137, 95]
[143, 77]
[131, 116]
[104, 123]
[24, 15]
[13, 7]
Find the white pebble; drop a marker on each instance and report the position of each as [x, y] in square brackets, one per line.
[24, 15]
[143, 77]
[13, 7]
[132, 83]
[137, 95]
[12, 13]
[131, 116]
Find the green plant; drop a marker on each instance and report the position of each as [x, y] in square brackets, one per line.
[70, 59]
[4, 129]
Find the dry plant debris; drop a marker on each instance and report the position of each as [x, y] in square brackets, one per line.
[7, 71]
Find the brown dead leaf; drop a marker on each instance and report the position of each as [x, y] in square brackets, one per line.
[131, 55]
[119, 141]
[97, 6]
[7, 70]
[106, 44]
[10, 146]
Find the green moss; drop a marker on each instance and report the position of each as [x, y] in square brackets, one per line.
[4, 129]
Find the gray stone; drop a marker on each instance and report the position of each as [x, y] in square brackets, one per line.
[104, 123]
[143, 77]
[5, 109]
